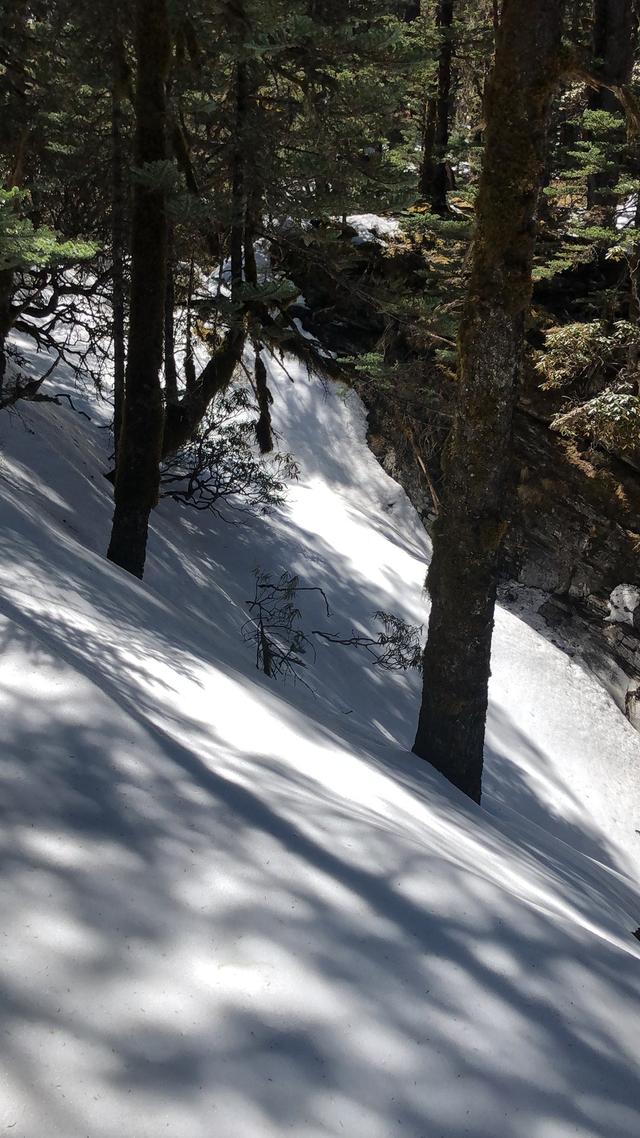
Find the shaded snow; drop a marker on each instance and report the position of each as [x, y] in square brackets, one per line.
[237, 909]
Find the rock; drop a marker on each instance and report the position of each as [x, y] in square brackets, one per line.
[632, 706]
[555, 612]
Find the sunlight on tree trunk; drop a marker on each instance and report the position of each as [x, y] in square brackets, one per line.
[469, 530]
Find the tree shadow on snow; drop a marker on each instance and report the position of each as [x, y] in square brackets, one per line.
[230, 946]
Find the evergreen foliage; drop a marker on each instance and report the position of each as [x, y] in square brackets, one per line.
[25, 247]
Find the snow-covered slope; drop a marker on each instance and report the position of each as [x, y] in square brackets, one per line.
[239, 909]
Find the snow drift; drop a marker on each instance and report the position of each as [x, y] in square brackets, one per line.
[239, 909]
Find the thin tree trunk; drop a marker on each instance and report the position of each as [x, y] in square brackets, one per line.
[182, 419]
[170, 370]
[633, 269]
[189, 360]
[615, 25]
[6, 320]
[238, 185]
[118, 220]
[264, 433]
[15, 124]
[137, 476]
[250, 263]
[14, 136]
[615, 34]
[471, 524]
[434, 176]
[17, 174]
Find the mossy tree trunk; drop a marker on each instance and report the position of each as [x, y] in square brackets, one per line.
[472, 521]
[434, 176]
[138, 473]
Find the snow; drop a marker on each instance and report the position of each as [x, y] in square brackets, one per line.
[626, 212]
[236, 908]
[372, 227]
[623, 602]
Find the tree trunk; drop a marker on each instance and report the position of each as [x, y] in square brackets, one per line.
[19, 113]
[615, 26]
[264, 432]
[471, 524]
[189, 359]
[238, 181]
[434, 176]
[6, 320]
[137, 476]
[615, 33]
[118, 220]
[250, 263]
[182, 419]
[170, 370]
[14, 135]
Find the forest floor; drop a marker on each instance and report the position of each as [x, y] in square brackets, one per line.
[243, 909]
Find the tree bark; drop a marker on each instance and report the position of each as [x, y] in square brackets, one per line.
[264, 433]
[182, 419]
[189, 359]
[472, 521]
[434, 176]
[137, 476]
[615, 27]
[14, 135]
[6, 320]
[238, 182]
[170, 369]
[118, 219]
[614, 39]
